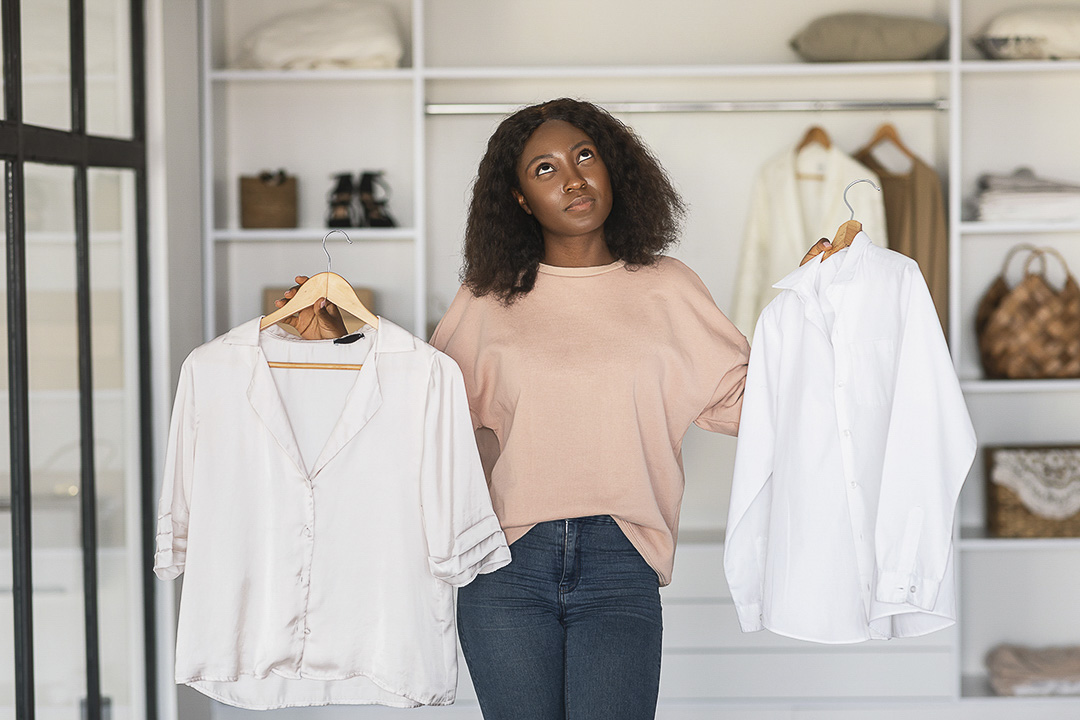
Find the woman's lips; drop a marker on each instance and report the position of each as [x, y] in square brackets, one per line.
[580, 203]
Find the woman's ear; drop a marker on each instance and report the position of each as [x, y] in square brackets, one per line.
[522, 201]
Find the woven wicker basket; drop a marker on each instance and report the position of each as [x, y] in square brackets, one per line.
[1030, 330]
[1009, 516]
[268, 201]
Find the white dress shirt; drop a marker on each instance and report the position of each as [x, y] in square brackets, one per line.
[323, 518]
[853, 444]
[789, 214]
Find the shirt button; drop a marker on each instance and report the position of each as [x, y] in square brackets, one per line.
[307, 631]
[847, 433]
[855, 485]
[840, 384]
[307, 530]
[912, 588]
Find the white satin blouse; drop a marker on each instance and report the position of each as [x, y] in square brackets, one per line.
[322, 519]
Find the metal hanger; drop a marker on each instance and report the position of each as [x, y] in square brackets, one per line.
[847, 232]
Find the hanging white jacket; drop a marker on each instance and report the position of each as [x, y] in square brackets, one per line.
[788, 215]
[854, 442]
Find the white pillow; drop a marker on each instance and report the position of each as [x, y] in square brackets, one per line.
[1046, 33]
[342, 34]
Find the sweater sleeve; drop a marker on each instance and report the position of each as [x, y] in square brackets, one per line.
[456, 337]
[720, 354]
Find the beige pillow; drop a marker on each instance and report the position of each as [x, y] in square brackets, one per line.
[862, 37]
[1048, 33]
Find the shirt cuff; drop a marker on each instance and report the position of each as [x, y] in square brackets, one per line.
[750, 617]
[907, 588]
[479, 549]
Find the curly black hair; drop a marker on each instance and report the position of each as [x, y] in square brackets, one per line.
[504, 244]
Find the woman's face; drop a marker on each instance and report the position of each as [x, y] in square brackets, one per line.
[564, 182]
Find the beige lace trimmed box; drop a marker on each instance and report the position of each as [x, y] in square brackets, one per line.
[1033, 491]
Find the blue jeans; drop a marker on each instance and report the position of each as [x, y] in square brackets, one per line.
[570, 629]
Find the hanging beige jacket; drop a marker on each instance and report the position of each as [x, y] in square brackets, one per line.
[788, 215]
[915, 214]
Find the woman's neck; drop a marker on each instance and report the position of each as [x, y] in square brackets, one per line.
[579, 253]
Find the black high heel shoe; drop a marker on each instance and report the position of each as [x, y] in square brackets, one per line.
[341, 212]
[375, 214]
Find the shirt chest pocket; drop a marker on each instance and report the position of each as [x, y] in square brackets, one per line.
[872, 371]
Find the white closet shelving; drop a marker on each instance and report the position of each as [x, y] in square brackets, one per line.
[997, 115]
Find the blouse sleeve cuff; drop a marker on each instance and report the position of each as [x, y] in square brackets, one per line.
[479, 549]
[171, 551]
[169, 563]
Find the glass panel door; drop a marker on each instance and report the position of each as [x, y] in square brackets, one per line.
[116, 431]
[46, 63]
[53, 361]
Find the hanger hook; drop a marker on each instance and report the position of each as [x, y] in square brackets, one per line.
[325, 237]
[856, 182]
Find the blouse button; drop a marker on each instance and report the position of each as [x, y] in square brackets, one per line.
[912, 588]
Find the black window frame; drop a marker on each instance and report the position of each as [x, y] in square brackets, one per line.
[20, 143]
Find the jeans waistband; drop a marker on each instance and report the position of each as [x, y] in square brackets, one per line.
[584, 520]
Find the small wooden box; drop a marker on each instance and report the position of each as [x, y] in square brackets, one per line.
[268, 201]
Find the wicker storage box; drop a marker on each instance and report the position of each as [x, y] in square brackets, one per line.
[268, 200]
[1033, 491]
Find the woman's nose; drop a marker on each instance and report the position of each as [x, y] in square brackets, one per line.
[574, 182]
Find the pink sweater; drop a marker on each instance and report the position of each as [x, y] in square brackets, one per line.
[590, 382]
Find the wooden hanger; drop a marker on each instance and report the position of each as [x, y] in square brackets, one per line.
[335, 289]
[887, 131]
[847, 232]
[816, 134]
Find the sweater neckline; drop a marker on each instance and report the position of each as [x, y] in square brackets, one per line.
[580, 271]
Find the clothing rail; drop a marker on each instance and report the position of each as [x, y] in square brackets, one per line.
[706, 107]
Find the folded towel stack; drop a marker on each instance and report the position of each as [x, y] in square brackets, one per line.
[1024, 197]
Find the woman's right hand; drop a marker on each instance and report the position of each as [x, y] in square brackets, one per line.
[321, 321]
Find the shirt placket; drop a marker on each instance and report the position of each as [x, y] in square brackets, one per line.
[856, 498]
[307, 537]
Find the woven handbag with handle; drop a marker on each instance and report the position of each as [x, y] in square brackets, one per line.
[1030, 330]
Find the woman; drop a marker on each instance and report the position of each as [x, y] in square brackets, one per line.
[588, 353]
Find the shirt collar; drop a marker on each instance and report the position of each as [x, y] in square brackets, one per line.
[801, 279]
[388, 338]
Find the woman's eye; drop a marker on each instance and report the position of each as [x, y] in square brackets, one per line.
[586, 154]
[544, 168]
